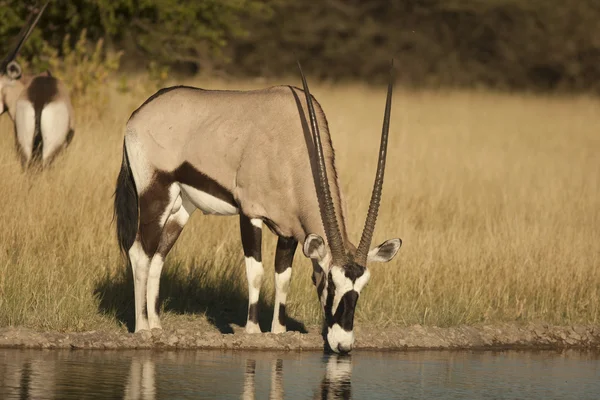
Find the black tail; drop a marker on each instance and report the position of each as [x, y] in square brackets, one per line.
[37, 149]
[126, 205]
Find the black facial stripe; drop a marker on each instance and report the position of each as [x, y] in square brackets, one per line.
[329, 300]
[344, 315]
[321, 285]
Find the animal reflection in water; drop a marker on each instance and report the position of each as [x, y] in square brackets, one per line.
[27, 377]
[336, 383]
[141, 383]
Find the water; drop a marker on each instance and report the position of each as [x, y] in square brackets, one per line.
[264, 375]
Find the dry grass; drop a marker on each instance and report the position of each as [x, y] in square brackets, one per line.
[496, 197]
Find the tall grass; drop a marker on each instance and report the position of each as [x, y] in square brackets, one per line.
[496, 198]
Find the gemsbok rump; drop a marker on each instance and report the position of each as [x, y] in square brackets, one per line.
[39, 106]
[249, 153]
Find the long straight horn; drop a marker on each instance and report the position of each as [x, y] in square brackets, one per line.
[332, 230]
[23, 35]
[367, 235]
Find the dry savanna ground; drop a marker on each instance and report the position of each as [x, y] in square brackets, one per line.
[496, 198]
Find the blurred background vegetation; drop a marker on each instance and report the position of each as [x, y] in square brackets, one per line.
[533, 45]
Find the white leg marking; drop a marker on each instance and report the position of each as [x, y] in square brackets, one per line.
[152, 290]
[254, 273]
[139, 263]
[25, 126]
[207, 203]
[55, 126]
[282, 286]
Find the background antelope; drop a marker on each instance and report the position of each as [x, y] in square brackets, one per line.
[39, 106]
[249, 153]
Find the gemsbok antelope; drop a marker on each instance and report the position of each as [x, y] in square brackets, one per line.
[39, 106]
[249, 153]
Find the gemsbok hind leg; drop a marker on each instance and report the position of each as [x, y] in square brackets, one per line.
[180, 214]
[156, 203]
[251, 230]
[284, 256]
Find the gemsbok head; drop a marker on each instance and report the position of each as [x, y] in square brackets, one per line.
[39, 106]
[265, 155]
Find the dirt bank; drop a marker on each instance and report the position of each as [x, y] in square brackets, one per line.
[414, 337]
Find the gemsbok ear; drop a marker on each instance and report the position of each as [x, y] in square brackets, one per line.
[314, 247]
[385, 251]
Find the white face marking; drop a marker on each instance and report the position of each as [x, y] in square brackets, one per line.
[362, 281]
[54, 126]
[207, 203]
[336, 336]
[344, 284]
[25, 126]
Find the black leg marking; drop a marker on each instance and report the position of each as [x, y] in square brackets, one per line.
[170, 234]
[253, 313]
[284, 254]
[251, 238]
[282, 315]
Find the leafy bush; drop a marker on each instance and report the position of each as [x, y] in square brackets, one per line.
[165, 31]
[85, 68]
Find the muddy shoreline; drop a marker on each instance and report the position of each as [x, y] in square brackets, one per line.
[417, 337]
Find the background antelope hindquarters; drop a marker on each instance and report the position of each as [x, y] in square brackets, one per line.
[39, 106]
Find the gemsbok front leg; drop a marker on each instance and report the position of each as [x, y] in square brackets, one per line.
[284, 256]
[251, 230]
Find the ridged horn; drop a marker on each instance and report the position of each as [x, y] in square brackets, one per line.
[367, 235]
[22, 37]
[328, 216]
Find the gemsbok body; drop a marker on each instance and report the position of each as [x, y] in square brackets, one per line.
[39, 106]
[265, 155]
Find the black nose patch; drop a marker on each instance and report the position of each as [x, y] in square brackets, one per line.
[344, 315]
